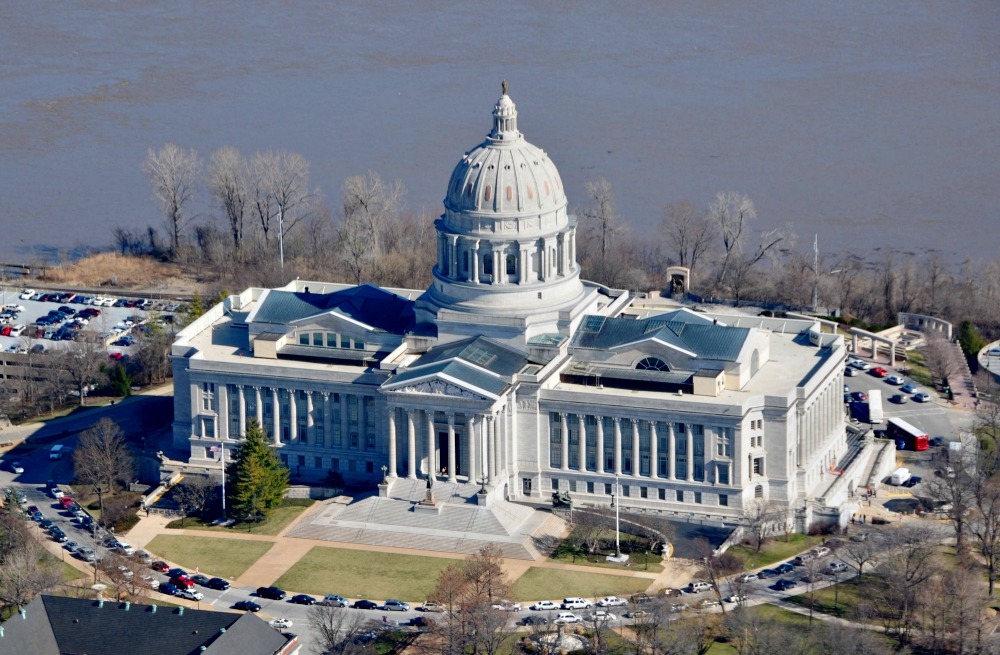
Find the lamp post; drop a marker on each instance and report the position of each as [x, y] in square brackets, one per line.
[616, 502]
[222, 459]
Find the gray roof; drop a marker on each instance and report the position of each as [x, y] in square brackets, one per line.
[56, 625]
[366, 303]
[481, 351]
[457, 369]
[701, 337]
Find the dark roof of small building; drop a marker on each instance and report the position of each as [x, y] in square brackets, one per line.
[366, 303]
[55, 625]
[701, 337]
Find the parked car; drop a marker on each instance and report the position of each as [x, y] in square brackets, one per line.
[706, 603]
[698, 586]
[280, 624]
[507, 606]
[190, 594]
[837, 567]
[168, 589]
[365, 605]
[860, 365]
[393, 605]
[782, 585]
[879, 372]
[922, 398]
[912, 481]
[185, 583]
[602, 615]
[177, 573]
[567, 617]
[544, 606]
[159, 566]
[535, 620]
[909, 387]
[850, 371]
[895, 380]
[16, 467]
[936, 441]
[302, 599]
[735, 598]
[859, 396]
[641, 597]
[748, 577]
[218, 584]
[272, 593]
[247, 606]
[428, 606]
[767, 573]
[611, 601]
[784, 568]
[200, 580]
[576, 603]
[820, 551]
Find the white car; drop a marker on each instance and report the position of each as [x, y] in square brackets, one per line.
[544, 606]
[698, 586]
[125, 571]
[894, 380]
[837, 567]
[602, 615]
[124, 548]
[507, 606]
[16, 467]
[431, 606]
[17, 331]
[747, 577]
[280, 623]
[333, 600]
[151, 581]
[57, 493]
[27, 294]
[576, 604]
[735, 598]
[191, 594]
[820, 551]
[611, 601]
[567, 617]
[860, 365]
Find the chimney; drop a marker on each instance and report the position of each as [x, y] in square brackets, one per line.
[180, 611]
[153, 608]
[127, 605]
[100, 602]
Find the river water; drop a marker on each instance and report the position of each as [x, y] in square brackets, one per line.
[871, 122]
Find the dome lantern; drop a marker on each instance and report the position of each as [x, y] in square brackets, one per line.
[504, 119]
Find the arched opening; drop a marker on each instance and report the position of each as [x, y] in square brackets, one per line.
[511, 265]
[488, 265]
[754, 363]
[652, 364]
[758, 491]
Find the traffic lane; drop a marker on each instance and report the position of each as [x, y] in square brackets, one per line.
[931, 418]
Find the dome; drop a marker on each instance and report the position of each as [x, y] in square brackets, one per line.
[505, 174]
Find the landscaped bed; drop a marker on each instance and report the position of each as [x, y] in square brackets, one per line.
[212, 556]
[573, 551]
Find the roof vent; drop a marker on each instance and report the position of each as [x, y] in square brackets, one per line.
[222, 629]
[204, 648]
[127, 605]
[153, 608]
[24, 614]
[180, 611]
[100, 602]
[680, 392]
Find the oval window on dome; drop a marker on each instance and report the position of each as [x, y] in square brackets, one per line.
[531, 193]
[468, 190]
[547, 192]
[510, 193]
[488, 193]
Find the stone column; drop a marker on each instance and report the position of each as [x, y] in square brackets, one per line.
[491, 449]
[474, 260]
[671, 452]
[411, 445]
[453, 256]
[581, 422]
[600, 444]
[259, 407]
[636, 452]
[564, 439]
[470, 427]
[327, 433]
[310, 421]
[223, 413]
[293, 416]
[451, 448]
[243, 410]
[432, 467]
[654, 451]
[522, 263]
[392, 442]
[345, 422]
[276, 414]
[618, 444]
[495, 450]
[689, 433]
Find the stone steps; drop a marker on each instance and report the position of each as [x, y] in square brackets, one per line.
[407, 540]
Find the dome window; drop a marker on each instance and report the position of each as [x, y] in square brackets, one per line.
[468, 190]
[547, 192]
[652, 364]
[488, 193]
[510, 193]
[531, 193]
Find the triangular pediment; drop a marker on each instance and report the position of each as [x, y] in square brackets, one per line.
[438, 387]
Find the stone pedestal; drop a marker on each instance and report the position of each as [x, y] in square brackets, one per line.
[619, 559]
[383, 490]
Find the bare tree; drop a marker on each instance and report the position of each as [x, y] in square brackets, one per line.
[956, 494]
[336, 630]
[863, 553]
[279, 181]
[732, 213]
[840, 639]
[939, 358]
[601, 219]
[195, 494]
[23, 575]
[909, 564]
[82, 365]
[102, 459]
[688, 232]
[372, 203]
[227, 178]
[760, 519]
[173, 174]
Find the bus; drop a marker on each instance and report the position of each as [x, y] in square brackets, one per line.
[911, 437]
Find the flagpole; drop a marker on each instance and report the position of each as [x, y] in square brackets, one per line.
[223, 460]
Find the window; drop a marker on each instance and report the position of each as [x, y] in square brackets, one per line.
[680, 496]
[317, 338]
[335, 464]
[359, 344]
[699, 453]
[724, 500]
[511, 265]
[234, 428]
[210, 427]
[284, 433]
[607, 488]
[319, 462]
[352, 408]
[465, 262]
[723, 470]
[590, 487]
[555, 484]
[370, 411]
[555, 441]
[697, 497]
[643, 492]
[302, 460]
[625, 490]
[758, 491]
[572, 485]
[724, 443]
[351, 465]
[304, 339]
[652, 364]
[320, 438]
[331, 339]
[337, 440]
[487, 264]
[354, 440]
[369, 467]
[370, 444]
[758, 466]
[661, 494]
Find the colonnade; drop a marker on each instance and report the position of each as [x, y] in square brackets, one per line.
[817, 420]
[555, 256]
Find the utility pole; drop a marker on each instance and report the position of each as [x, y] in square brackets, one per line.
[816, 270]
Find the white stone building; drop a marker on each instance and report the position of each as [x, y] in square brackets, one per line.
[512, 373]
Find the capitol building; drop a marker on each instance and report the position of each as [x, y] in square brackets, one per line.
[511, 377]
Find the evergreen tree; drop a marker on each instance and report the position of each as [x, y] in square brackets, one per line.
[120, 381]
[970, 339]
[256, 479]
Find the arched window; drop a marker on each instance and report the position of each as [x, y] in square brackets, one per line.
[371, 442]
[652, 364]
[354, 440]
[511, 265]
[468, 190]
[754, 363]
[758, 491]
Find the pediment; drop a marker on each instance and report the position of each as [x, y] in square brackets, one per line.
[437, 387]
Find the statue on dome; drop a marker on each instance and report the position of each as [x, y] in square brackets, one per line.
[503, 87]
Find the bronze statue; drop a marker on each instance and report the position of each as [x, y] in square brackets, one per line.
[503, 86]
[562, 499]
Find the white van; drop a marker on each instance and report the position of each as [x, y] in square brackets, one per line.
[56, 452]
[899, 476]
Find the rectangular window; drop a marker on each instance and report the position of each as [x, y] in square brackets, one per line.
[644, 492]
[234, 428]
[352, 408]
[210, 427]
[555, 442]
[699, 454]
[284, 433]
[319, 462]
[234, 406]
[354, 440]
[337, 439]
[627, 464]
[303, 434]
[661, 494]
[662, 465]
[607, 488]
[335, 464]
[302, 460]
[555, 484]
[758, 466]
[724, 500]
[320, 438]
[625, 490]
[317, 338]
[345, 341]
[572, 485]
[369, 467]
[370, 411]
[723, 473]
[590, 487]
[350, 465]
[331, 339]
[359, 344]
[697, 497]
[680, 496]
[304, 339]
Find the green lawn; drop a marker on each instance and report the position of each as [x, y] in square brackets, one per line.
[542, 584]
[919, 372]
[640, 561]
[277, 520]
[361, 574]
[848, 597]
[775, 551]
[225, 558]
[70, 572]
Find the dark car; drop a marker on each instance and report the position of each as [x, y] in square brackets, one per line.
[641, 598]
[782, 585]
[272, 593]
[365, 605]
[847, 398]
[767, 573]
[45, 524]
[859, 396]
[899, 399]
[32, 509]
[159, 566]
[787, 567]
[175, 573]
[913, 481]
[302, 599]
[218, 583]
[247, 606]
[936, 441]
[420, 622]
[200, 580]
[168, 589]
[535, 620]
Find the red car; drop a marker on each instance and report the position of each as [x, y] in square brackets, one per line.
[160, 566]
[879, 372]
[182, 583]
[115, 357]
[5, 331]
[66, 501]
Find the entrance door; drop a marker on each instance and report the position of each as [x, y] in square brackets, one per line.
[526, 486]
[443, 450]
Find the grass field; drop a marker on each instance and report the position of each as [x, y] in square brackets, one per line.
[225, 558]
[70, 573]
[541, 584]
[919, 372]
[775, 551]
[637, 561]
[277, 521]
[847, 597]
[360, 574]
